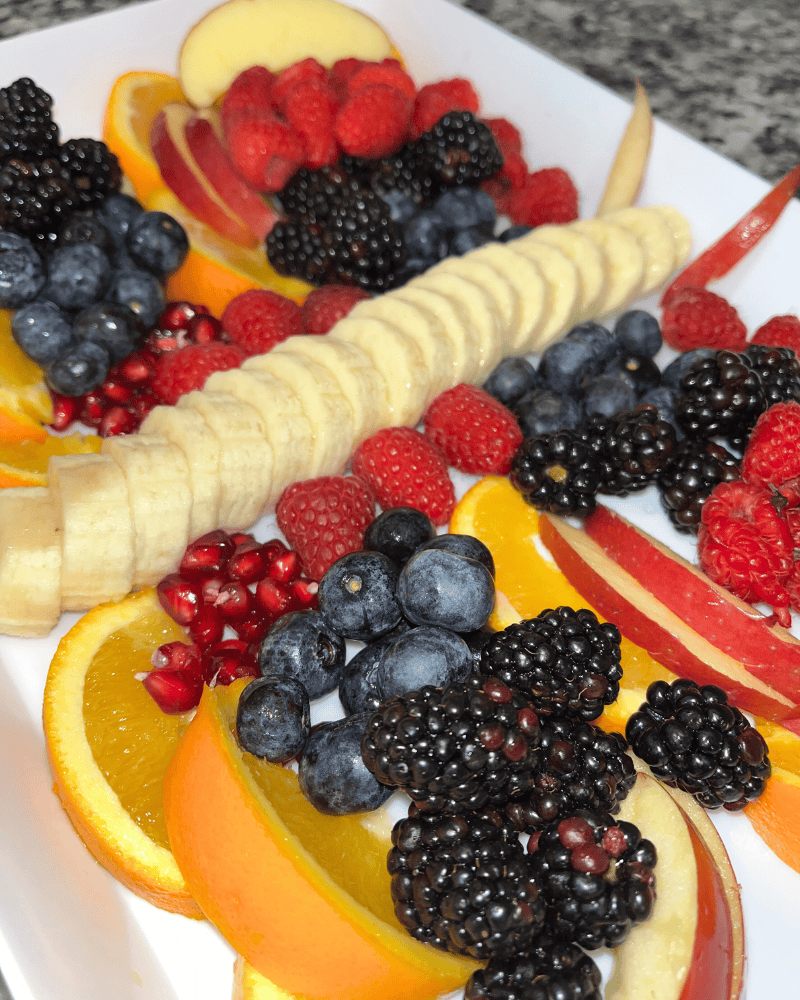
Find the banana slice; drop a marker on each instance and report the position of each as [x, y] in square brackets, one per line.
[562, 277]
[587, 258]
[93, 516]
[157, 475]
[625, 261]
[30, 562]
[286, 425]
[419, 323]
[494, 283]
[245, 455]
[398, 358]
[461, 339]
[200, 447]
[477, 310]
[531, 288]
[655, 236]
[681, 232]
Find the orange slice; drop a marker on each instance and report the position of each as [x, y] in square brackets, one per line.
[25, 463]
[302, 896]
[775, 816]
[109, 745]
[22, 384]
[135, 100]
[217, 270]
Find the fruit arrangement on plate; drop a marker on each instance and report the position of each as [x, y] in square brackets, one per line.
[523, 833]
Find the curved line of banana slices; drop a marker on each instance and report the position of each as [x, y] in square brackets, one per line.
[114, 521]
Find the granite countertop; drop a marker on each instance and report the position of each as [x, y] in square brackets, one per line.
[723, 71]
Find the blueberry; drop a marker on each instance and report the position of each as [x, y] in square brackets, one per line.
[511, 379]
[12, 241]
[544, 411]
[466, 207]
[513, 233]
[140, 291]
[110, 325]
[413, 267]
[642, 371]
[464, 240]
[77, 276]
[398, 532]
[609, 394]
[158, 243]
[425, 236]
[441, 587]
[584, 351]
[401, 206]
[273, 718]
[357, 595]
[303, 646]
[664, 397]
[22, 275]
[463, 545]
[358, 687]
[424, 655]
[604, 343]
[117, 213]
[332, 774]
[42, 331]
[675, 371]
[639, 331]
[86, 229]
[80, 370]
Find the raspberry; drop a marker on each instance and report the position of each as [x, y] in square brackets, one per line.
[512, 176]
[178, 372]
[299, 72]
[250, 92]
[310, 108]
[264, 149]
[772, 455]
[780, 331]
[696, 317]
[544, 197]
[324, 519]
[506, 135]
[406, 470]
[474, 432]
[436, 99]
[745, 545]
[389, 72]
[325, 306]
[259, 319]
[341, 72]
[374, 121]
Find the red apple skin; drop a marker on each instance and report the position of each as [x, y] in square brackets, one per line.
[183, 176]
[202, 135]
[769, 652]
[653, 626]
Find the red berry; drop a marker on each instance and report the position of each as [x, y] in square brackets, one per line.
[780, 331]
[696, 317]
[179, 372]
[374, 121]
[389, 72]
[544, 197]
[406, 470]
[772, 455]
[259, 319]
[310, 109]
[506, 135]
[325, 306]
[250, 91]
[264, 149]
[436, 99]
[288, 79]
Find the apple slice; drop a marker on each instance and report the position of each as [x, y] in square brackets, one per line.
[772, 692]
[692, 947]
[272, 33]
[182, 174]
[202, 132]
[630, 163]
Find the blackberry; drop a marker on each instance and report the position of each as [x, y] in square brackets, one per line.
[557, 472]
[93, 170]
[578, 767]
[631, 448]
[779, 371]
[462, 747]
[565, 660]
[597, 878]
[687, 480]
[459, 149]
[463, 884]
[36, 200]
[721, 395]
[27, 129]
[693, 739]
[549, 970]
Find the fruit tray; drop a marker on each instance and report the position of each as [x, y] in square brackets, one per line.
[66, 928]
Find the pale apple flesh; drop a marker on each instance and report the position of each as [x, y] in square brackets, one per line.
[620, 598]
[630, 163]
[181, 173]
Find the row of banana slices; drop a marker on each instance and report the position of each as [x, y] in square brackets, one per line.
[115, 521]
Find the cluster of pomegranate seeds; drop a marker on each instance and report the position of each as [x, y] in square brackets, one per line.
[123, 401]
[224, 582]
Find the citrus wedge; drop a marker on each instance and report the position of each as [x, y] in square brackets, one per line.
[25, 463]
[303, 897]
[134, 101]
[217, 270]
[775, 816]
[109, 744]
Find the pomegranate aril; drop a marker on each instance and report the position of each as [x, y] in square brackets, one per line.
[176, 315]
[174, 691]
[248, 563]
[225, 647]
[143, 403]
[117, 420]
[207, 555]
[240, 537]
[274, 548]
[137, 369]
[274, 598]
[285, 567]
[211, 586]
[178, 656]
[117, 391]
[253, 627]
[305, 592]
[234, 601]
[93, 409]
[207, 626]
[231, 665]
[64, 410]
[204, 329]
[179, 597]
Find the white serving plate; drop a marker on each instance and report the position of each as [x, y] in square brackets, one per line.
[67, 929]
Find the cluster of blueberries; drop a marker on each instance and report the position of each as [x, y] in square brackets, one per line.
[416, 600]
[89, 304]
[594, 370]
